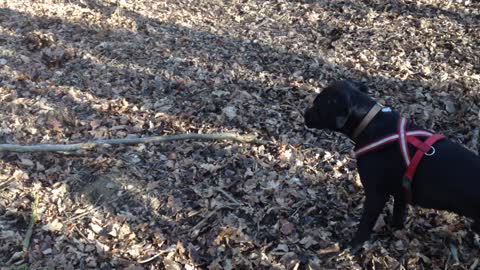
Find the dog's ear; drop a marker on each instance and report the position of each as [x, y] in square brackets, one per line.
[360, 86]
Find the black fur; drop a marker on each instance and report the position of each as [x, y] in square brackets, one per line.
[448, 180]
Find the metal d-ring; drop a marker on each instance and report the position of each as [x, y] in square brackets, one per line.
[431, 152]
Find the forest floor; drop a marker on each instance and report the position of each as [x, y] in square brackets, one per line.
[74, 71]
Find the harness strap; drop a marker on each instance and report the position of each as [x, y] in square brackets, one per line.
[402, 126]
[423, 146]
[388, 139]
[404, 138]
[412, 168]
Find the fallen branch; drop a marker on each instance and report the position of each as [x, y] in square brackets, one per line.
[93, 144]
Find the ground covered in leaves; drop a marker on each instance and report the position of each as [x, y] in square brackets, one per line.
[73, 71]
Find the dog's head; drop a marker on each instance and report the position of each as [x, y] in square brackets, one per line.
[333, 107]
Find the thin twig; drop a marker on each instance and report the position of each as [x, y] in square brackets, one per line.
[161, 252]
[93, 144]
[474, 265]
[6, 182]
[87, 212]
[193, 230]
[33, 220]
[454, 252]
[82, 234]
[228, 195]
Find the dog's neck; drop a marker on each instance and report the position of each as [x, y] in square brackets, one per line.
[355, 117]
[366, 123]
[383, 124]
[366, 120]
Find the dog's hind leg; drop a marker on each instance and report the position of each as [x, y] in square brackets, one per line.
[399, 212]
[476, 231]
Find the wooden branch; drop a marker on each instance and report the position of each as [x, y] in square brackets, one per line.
[93, 144]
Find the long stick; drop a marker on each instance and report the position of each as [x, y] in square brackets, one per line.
[93, 144]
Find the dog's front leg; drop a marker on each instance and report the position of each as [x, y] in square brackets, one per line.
[399, 211]
[374, 204]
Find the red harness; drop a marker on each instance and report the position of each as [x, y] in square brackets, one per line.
[404, 138]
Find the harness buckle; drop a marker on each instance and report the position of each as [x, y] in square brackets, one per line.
[431, 152]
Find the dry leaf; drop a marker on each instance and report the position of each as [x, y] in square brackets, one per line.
[53, 226]
[286, 227]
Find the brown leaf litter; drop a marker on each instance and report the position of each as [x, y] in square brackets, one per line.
[72, 71]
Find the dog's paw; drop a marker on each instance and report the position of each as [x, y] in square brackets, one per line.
[353, 247]
[476, 226]
[397, 224]
[476, 239]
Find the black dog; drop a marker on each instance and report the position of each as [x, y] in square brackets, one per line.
[447, 176]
